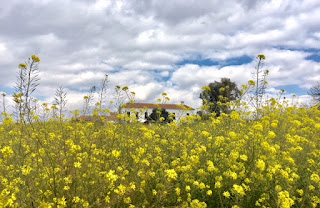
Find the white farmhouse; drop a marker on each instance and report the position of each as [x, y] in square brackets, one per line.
[143, 110]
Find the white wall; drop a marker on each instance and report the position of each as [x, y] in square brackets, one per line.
[141, 113]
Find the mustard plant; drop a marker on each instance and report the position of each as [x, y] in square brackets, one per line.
[122, 96]
[60, 100]
[257, 97]
[102, 92]
[88, 100]
[27, 82]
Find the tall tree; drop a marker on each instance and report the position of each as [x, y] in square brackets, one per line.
[315, 92]
[216, 95]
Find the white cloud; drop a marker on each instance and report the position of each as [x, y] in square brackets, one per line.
[7, 56]
[146, 66]
[139, 43]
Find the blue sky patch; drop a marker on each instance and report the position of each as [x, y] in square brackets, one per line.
[308, 50]
[314, 57]
[295, 89]
[238, 60]
[10, 91]
[39, 97]
[208, 62]
[7, 90]
[200, 62]
[161, 78]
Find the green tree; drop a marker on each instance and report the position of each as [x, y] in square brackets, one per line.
[158, 113]
[216, 95]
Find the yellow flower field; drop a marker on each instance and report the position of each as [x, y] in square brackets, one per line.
[229, 161]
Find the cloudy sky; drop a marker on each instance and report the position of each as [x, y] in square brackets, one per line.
[155, 46]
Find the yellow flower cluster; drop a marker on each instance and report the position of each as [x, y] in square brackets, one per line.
[229, 161]
[35, 58]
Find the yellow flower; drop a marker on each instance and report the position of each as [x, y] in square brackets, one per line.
[197, 204]
[238, 190]
[35, 58]
[178, 191]
[23, 66]
[274, 125]
[284, 199]
[7, 152]
[261, 165]
[68, 179]
[232, 134]
[171, 174]
[188, 188]
[258, 127]
[121, 190]
[244, 157]
[278, 188]
[154, 192]
[76, 199]
[226, 194]
[251, 83]
[205, 133]
[202, 186]
[201, 172]
[300, 192]
[261, 57]
[77, 164]
[85, 204]
[62, 202]
[26, 170]
[211, 167]
[206, 88]
[127, 200]
[217, 184]
[234, 155]
[271, 135]
[116, 153]
[315, 178]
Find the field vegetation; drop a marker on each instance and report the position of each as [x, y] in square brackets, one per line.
[268, 157]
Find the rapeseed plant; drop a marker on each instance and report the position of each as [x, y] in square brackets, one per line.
[272, 160]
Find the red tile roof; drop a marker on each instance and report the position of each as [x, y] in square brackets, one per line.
[152, 106]
[112, 117]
